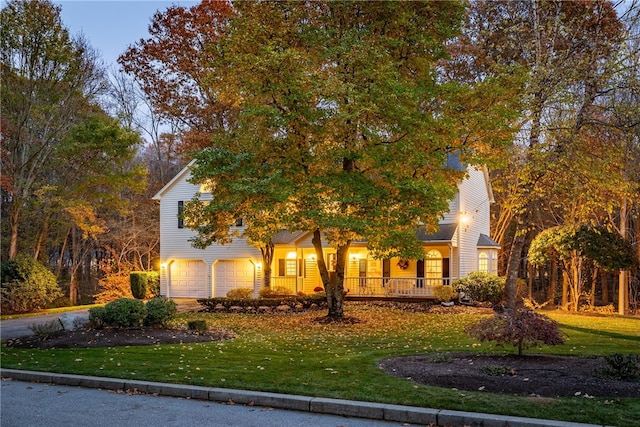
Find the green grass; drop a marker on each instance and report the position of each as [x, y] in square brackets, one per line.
[294, 354]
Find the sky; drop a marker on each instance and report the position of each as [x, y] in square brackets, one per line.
[111, 26]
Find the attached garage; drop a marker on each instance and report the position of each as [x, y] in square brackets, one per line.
[188, 279]
[232, 275]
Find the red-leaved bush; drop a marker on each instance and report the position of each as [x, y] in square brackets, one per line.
[522, 328]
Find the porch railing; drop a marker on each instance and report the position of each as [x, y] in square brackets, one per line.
[393, 287]
[386, 287]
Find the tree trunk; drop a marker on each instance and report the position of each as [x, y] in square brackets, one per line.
[267, 260]
[63, 250]
[565, 290]
[623, 277]
[333, 288]
[551, 296]
[592, 294]
[515, 256]
[14, 219]
[42, 238]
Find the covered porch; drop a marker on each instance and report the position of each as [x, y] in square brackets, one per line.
[295, 267]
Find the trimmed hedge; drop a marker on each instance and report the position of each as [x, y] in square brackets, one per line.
[131, 313]
[307, 301]
[159, 311]
[144, 284]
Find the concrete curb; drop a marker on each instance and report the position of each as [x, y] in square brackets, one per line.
[397, 413]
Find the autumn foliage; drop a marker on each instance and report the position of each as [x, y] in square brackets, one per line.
[522, 328]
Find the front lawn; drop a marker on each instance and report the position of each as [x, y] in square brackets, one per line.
[294, 354]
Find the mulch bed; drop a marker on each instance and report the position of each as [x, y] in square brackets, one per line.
[113, 337]
[531, 375]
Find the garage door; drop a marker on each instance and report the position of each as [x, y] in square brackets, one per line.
[189, 280]
[231, 275]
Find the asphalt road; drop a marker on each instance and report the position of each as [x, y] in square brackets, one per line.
[36, 404]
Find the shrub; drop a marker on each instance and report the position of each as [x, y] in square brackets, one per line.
[46, 330]
[97, 316]
[138, 283]
[27, 285]
[197, 325]
[125, 313]
[318, 289]
[480, 286]
[153, 284]
[240, 293]
[522, 328]
[444, 293]
[144, 284]
[159, 311]
[113, 286]
[275, 292]
[621, 366]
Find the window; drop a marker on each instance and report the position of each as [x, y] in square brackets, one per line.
[433, 266]
[180, 214]
[290, 267]
[286, 267]
[483, 262]
[239, 222]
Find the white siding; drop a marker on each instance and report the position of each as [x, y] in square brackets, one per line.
[475, 201]
[174, 241]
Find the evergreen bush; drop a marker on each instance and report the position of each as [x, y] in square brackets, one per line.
[27, 285]
[97, 316]
[481, 286]
[125, 313]
[159, 311]
[138, 283]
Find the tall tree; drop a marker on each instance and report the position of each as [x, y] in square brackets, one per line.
[173, 68]
[566, 47]
[48, 78]
[345, 123]
[93, 183]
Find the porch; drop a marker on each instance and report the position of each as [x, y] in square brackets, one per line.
[380, 287]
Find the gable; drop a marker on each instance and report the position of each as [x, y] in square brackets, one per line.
[180, 176]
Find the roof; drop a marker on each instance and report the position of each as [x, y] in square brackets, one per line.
[285, 237]
[444, 234]
[485, 241]
[185, 170]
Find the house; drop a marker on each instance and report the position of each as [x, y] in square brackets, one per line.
[460, 246]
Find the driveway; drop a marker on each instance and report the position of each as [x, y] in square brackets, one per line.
[14, 328]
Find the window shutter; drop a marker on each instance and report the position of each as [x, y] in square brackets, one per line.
[180, 213]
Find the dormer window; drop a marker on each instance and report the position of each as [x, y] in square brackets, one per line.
[239, 222]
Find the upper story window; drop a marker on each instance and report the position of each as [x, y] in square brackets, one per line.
[180, 214]
[238, 222]
[483, 262]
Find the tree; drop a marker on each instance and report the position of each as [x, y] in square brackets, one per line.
[523, 328]
[575, 247]
[173, 69]
[332, 97]
[48, 78]
[566, 48]
[95, 178]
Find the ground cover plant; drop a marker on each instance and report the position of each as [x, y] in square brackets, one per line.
[294, 353]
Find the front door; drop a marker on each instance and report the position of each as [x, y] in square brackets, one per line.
[420, 273]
